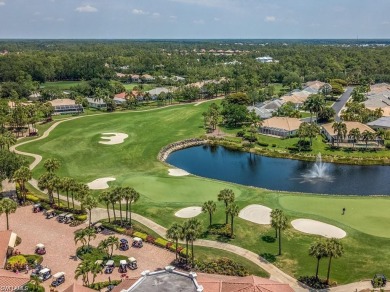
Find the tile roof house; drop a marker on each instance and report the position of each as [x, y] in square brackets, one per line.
[7, 244]
[381, 123]
[10, 281]
[280, 126]
[379, 97]
[332, 137]
[202, 282]
[78, 288]
[66, 106]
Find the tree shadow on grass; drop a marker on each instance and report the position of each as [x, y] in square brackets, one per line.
[269, 257]
[268, 239]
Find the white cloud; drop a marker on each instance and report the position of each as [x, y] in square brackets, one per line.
[2, 3]
[155, 14]
[139, 12]
[198, 21]
[208, 3]
[270, 19]
[86, 8]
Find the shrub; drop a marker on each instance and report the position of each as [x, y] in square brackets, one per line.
[141, 235]
[388, 145]
[150, 239]
[102, 285]
[223, 230]
[32, 198]
[17, 262]
[183, 252]
[33, 259]
[262, 144]
[75, 223]
[313, 282]
[161, 242]
[114, 227]
[223, 266]
[80, 217]
[240, 133]
[18, 241]
[273, 145]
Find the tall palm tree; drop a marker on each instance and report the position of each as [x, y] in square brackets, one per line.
[51, 164]
[90, 202]
[58, 186]
[318, 250]
[175, 233]
[274, 215]
[355, 135]
[186, 235]
[95, 270]
[367, 136]
[227, 196]
[7, 206]
[209, 207]
[112, 197]
[7, 139]
[195, 229]
[66, 184]
[21, 176]
[118, 194]
[112, 242]
[131, 196]
[104, 246]
[83, 270]
[104, 197]
[340, 130]
[81, 194]
[314, 104]
[80, 236]
[233, 210]
[73, 189]
[89, 234]
[334, 249]
[46, 182]
[280, 223]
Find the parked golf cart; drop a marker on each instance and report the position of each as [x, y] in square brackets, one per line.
[124, 244]
[109, 267]
[379, 281]
[68, 218]
[58, 279]
[98, 227]
[37, 208]
[40, 249]
[50, 214]
[44, 274]
[36, 270]
[61, 217]
[122, 266]
[132, 263]
[137, 242]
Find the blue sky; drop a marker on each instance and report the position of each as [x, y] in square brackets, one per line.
[194, 19]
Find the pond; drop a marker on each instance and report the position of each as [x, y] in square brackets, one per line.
[244, 168]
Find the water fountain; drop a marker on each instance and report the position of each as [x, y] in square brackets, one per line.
[318, 172]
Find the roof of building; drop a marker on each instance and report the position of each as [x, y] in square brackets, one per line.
[296, 97]
[62, 101]
[158, 90]
[147, 76]
[7, 239]
[315, 84]
[121, 95]
[350, 126]
[283, 123]
[381, 122]
[78, 288]
[11, 279]
[95, 101]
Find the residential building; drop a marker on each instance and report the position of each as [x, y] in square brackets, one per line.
[10, 281]
[154, 93]
[382, 123]
[331, 135]
[147, 78]
[96, 103]
[379, 97]
[66, 106]
[35, 96]
[266, 109]
[7, 245]
[280, 126]
[266, 59]
[135, 78]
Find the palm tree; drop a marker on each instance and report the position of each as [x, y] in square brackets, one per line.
[334, 249]
[95, 270]
[112, 197]
[7, 139]
[194, 231]
[209, 207]
[186, 235]
[104, 246]
[80, 236]
[35, 283]
[367, 136]
[52, 164]
[233, 210]
[66, 184]
[312, 131]
[131, 196]
[104, 197]
[46, 182]
[280, 223]
[318, 250]
[112, 242]
[73, 189]
[83, 269]
[274, 215]
[90, 202]
[7, 206]
[175, 233]
[90, 233]
[81, 194]
[58, 186]
[118, 195]
[227, 196]
[21, 176]
[355, 135]
[340, 130]
[314, 104]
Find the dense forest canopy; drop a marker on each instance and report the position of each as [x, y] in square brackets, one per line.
[29, 62]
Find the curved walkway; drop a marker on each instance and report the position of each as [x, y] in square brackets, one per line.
[100, 213]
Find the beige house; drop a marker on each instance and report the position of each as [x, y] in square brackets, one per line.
[280, 126]
[66, 106]
[332, 136]
[7, 244]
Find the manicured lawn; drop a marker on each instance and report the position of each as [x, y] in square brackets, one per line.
[146, 87]
[63, 85]
[134, 163]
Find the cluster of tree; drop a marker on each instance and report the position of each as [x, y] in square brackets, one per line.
[358, 112]
[354, 134]
[235, 112]
[359, 93]
[211, 117]
[288, 109]
[307, 130]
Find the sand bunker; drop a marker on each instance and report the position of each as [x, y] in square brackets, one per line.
[256, 213]
[113, 138]
[189, 212]
[319, 228]
[100, 183]
[177, 172]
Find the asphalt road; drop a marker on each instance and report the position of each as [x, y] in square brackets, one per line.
[338, 105]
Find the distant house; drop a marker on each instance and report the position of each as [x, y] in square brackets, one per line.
[265, 59]
[66, 106]
[7, 245]
[147, 78]
[135, 78]
[265, 110]
[154, 93]
[331, 135]
[382, 123]
[296, 97]
[280, 126]
[96, 103]
[35, 96]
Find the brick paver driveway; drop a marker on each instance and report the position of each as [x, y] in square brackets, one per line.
[33, 228]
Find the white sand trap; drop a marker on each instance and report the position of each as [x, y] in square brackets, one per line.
[189, 212]
[319, 228]
[100, 183]
[256, 213]
[113, 138]
[177, 172]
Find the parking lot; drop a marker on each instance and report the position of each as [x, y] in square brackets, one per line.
[34, 228]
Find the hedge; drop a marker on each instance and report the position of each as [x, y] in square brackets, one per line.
[102, 285]
[32, 198]
[141, 235]
[17, 262]
[161, 242]
[33, 259]
[80, 217]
